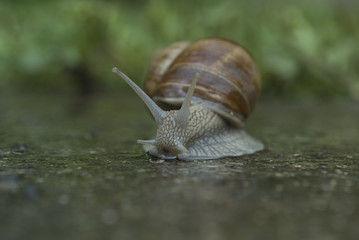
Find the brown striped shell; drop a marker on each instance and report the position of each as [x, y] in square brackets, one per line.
[229, 81]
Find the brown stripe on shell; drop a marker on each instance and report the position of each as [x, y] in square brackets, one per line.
[209, 81]
[214, 89]
[160, 62]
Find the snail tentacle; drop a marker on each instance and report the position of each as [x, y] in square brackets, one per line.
[157, 113]
[148, 142]
[183, 114]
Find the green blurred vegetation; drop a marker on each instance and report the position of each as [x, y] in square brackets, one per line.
[303, 48]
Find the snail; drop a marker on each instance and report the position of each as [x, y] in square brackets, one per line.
[200, 94]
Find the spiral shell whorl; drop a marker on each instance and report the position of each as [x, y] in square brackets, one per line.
[229, 82]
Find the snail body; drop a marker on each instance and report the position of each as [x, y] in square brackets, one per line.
[200, 95]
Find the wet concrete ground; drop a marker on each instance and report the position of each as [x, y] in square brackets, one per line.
[75, 172]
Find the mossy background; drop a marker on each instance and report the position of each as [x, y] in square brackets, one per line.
[305, 49]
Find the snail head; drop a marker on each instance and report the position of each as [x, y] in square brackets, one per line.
[171, 125]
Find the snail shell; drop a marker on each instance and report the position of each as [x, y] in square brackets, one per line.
[202, 94]
[229, 81]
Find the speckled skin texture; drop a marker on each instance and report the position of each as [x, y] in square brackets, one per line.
[206, 136]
